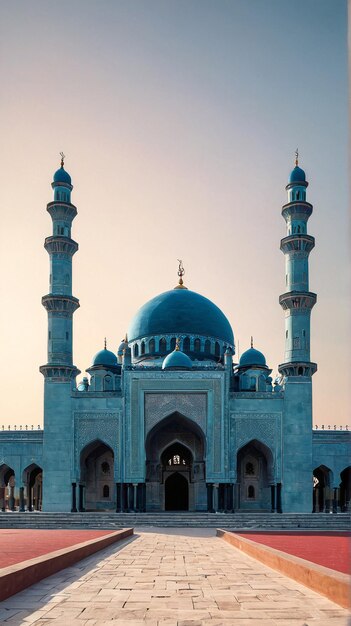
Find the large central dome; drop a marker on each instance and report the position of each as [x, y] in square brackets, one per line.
[179, 312]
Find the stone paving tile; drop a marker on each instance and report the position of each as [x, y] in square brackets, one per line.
[173, 577]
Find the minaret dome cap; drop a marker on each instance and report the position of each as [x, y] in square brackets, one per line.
[297, 175]
[61, 176]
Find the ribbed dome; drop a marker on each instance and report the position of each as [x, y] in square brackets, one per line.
[177, 360]
[61, 176]
[297, 175]
[251, 358]
[180, 311]
[104, 357]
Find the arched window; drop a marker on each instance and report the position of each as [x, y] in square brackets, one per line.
[252, 383]
[136, 350]
[163, 346]
[105, 467]
[297, 195]
[249, 469]
[251, 492]
[300, 371]
[108, 383]
[197, 345]
[173, 343]
[106, 491]
[299, 229]
[207, 346]
[142, 347]
[152, 346]
[186, 344]
[217, 349]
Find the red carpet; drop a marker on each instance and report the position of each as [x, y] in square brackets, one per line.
[331, 549]
[20, 545]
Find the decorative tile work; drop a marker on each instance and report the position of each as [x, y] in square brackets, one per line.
[160, 405]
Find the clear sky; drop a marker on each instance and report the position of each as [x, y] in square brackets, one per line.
[179, 119]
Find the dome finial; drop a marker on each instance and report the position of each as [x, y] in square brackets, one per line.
[251, 341]
[181, 272]
[63, 156]
[296, 157]
[105, 344]
[177, 348]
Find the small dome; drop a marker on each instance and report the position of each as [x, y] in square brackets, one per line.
[105, 358]
[297, 175]
[123, 345]
[61, 176]
[177, 360]
[252, 357]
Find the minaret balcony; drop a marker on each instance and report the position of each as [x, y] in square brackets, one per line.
[297, 368]
[60, 245]
[61, 210]
[59, 373]
[299, 210]
[297, 301]
[297, 243]
[62, 305]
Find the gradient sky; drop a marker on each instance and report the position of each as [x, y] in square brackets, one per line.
[179, 120]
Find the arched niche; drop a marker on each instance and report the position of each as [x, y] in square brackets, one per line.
[32, 477]
[255, 475]
[97, 473]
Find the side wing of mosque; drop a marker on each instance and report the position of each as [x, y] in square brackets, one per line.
[171, 421]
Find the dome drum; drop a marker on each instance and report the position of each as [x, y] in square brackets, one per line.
[197, 347]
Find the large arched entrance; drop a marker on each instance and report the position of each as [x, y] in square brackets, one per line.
[33, 480]
[322, 492]
[96, 485]
[7, 488]
[345, 490]
[257, 491]
[175, 466]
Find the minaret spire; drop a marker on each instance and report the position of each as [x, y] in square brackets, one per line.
[251, 341]
[297, 301]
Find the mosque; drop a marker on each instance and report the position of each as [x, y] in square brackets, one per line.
[170, 421]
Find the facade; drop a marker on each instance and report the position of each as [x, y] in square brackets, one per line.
[171, 421]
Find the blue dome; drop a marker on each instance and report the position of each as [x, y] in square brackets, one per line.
[297, 175]
[61, 176]
[122, 346]
[179, 312]
[251, 358]
[177, 360]
[105, 358]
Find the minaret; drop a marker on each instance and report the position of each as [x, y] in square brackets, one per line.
[295, 491]
[298, 301]
[59, 303]
[59, 372]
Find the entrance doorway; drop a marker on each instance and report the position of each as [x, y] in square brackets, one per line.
[176, 493]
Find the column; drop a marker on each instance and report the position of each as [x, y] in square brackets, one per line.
[135, 487]
[215, 497]
[273, 499]
[74, 498]
[2, 498]
[21, 500]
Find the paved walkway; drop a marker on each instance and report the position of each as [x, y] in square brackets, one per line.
[170, 577]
